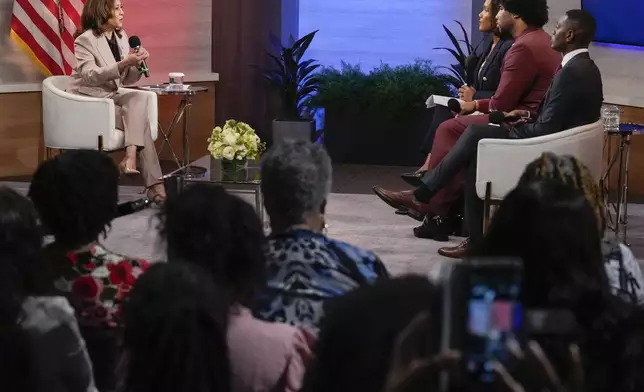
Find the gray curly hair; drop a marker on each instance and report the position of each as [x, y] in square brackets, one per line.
[296, 179]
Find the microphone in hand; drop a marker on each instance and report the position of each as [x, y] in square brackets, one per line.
[454, 105]
[497, 118]
[135, 44]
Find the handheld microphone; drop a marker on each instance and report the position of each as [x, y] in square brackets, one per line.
[497, 118]
[454, 105]
[122, 209]
[132, 207]
[135, 43]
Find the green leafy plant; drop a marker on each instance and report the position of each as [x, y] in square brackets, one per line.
[293, 77]
[388, 93]
[377, 117]
[457, 71]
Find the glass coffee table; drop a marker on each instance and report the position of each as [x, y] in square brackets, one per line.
[244, 181]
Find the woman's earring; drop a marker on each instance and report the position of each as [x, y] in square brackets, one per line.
[325, 229]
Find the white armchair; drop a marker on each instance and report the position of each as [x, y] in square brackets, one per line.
[501, 162]
[78, 122]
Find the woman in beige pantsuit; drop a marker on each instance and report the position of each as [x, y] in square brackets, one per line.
[104, 62]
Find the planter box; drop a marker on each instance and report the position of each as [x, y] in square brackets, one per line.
[354, 138]
[295, 130]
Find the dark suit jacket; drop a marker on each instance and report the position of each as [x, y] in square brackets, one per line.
[528, 69]
[484, 70]
[575, 99]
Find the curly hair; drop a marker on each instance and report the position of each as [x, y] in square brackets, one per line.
[552, 227]
[175, 334]
[570, 171]
[222, 233]
[533, 12]
[20, 273]
[76, 196]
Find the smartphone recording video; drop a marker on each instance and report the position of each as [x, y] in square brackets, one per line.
[494, 315]
[482, 309]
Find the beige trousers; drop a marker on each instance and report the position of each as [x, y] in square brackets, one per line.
[131, 116]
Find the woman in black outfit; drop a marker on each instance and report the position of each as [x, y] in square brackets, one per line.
[483, 72]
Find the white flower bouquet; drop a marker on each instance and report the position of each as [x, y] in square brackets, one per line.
[235, 141]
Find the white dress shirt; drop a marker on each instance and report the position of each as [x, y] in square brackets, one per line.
[569, 56]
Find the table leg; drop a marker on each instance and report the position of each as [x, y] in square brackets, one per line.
[611, 159]
[259, 203]
[620, 188]
[188, 171]
[627, 148]
[178, 115]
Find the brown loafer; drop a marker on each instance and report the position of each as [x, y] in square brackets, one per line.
[401, 200]
[455, 252]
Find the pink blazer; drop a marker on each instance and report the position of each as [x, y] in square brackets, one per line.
[265, 356]
[96, 73]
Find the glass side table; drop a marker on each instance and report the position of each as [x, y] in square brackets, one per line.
[182, 112]
[617, 143]
[246, 180]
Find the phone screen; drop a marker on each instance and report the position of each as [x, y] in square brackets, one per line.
[494, 315]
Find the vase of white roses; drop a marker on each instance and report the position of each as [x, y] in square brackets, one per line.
[235, 144]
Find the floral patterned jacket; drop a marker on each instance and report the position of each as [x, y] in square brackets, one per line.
[96, 282]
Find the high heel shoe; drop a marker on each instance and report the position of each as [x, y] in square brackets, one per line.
[413, 179]
[155, 197]
[126, 170]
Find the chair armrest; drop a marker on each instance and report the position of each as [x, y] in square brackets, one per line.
[153, 109]
[73, 121]
[502, 161]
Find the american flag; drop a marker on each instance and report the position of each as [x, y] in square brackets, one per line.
[45, 29]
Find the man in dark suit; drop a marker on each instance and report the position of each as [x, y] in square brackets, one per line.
[528, 69]
[574, 99]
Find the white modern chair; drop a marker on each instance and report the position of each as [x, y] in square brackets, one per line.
[77, 122]
[501, 162]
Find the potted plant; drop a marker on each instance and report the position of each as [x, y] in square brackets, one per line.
[458, 71]
[234, 145]
[295, 80]
[377, 117]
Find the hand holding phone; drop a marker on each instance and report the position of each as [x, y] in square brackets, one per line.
[533, 371]
[482, 309]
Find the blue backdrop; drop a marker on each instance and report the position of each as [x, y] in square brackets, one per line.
[618, 21]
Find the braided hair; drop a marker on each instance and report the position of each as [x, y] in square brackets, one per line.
[572, 172]
[175, 334]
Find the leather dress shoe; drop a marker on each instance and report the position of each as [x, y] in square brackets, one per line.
[401, 200]
[455, 252]
[413, 179]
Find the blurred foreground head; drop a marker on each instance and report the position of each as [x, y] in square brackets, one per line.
[175, 335]
[359, 330]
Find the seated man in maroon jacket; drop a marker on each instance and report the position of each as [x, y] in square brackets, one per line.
[528, 70]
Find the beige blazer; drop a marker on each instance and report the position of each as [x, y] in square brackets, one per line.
[96, 73]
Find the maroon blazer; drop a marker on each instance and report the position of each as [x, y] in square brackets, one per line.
[528, 70]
